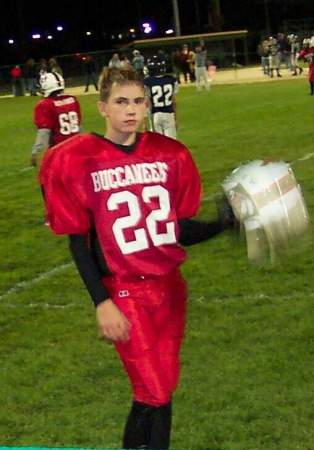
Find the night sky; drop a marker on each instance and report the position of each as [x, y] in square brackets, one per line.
[20, 18]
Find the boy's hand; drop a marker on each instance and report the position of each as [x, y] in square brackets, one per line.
[112, 323]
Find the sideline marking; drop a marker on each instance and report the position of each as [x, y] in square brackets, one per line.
[26, 284]
[25, 169]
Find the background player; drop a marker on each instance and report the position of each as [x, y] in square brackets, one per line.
[57, 116]
[307, 54]
[161, 89]
[126, 200]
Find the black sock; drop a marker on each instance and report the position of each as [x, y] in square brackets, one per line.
[137, 427]
[160, 422]
[312, 88]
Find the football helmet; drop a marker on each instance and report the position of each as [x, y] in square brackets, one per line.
[268, 203]
[156, 66]
[51, 82]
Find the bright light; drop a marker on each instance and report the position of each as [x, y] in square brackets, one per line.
[36, 36]
[148, 27]
[170, 31]
[132, 30]
[120, 36]
[88, 33]
[11, 41]
[49, 37]
[59, 28]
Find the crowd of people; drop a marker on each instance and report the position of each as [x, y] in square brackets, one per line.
[26, 79]
[186, 64]
[283, 50]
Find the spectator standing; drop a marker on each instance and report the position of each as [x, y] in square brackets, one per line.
[138, 62]
[176, 64]
[295, 51]
[284, 50]
[90, 72]
[125, 62]
[184, 57]
[201, 73]
[17, 81]
[31, 75]
[115, 62]
[274, 57]
[54, 66]
[263, 52]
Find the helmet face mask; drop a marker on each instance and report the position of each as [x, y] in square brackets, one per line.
[51, 82]
[156, 66]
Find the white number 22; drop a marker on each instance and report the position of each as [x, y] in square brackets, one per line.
[140, 241]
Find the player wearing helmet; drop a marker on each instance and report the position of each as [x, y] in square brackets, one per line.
[57, 116]
[307, 54]
[161, 89]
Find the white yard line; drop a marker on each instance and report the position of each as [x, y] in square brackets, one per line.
[30, 283]
[26, 169]
[37, 305]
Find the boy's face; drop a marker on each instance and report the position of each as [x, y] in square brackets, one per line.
[125, 108]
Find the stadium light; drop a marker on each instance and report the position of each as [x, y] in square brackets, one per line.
[170, 31]
[49, 37]
[132, 30]
[59, 28]
[11, 41]
[148, 27]
[88, 33]
[36, 36]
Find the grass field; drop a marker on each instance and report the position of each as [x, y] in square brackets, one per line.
[248, 359]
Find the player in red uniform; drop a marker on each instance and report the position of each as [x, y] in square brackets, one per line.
[126, 200]
[307, 53]
[57, 116]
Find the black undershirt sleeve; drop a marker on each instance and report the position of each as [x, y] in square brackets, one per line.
[195, 231]
[88, 268]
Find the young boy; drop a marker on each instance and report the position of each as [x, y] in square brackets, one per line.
[125, 200]
[161, 89]
[57, 116]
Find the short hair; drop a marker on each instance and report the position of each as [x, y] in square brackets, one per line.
[111, 76]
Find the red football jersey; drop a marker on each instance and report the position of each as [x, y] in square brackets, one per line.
[60, 114]
[134, 200]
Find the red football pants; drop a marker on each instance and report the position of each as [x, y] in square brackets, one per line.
[156, 309]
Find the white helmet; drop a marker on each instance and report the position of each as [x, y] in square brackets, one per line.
[268, 203]
[51, 82]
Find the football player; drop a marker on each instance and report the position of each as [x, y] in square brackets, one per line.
[57, 116]
[161, 89]
[126, 201]
[307, 54]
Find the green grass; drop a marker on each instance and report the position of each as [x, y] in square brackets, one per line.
[247, 362]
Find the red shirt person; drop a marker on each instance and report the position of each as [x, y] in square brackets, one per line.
[57, 116]
[126, 202]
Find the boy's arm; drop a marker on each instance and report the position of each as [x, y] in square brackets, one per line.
[41, 143]
[112, 323]
[194, 231]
